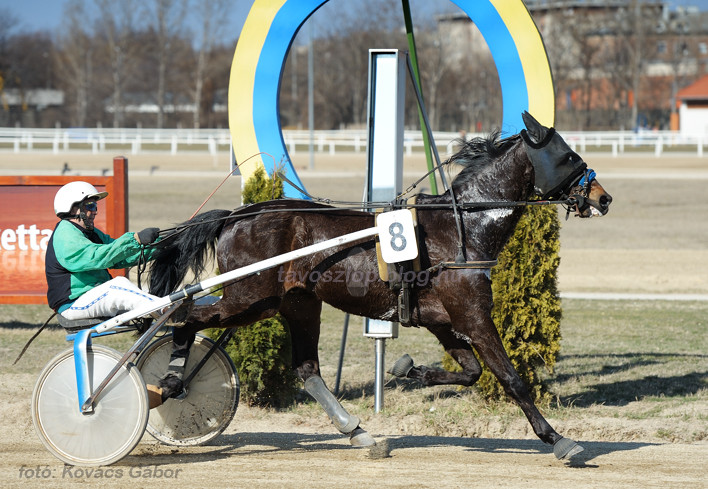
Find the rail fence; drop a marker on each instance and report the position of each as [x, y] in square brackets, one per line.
[174, 141]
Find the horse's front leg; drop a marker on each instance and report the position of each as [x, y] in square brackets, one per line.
[485, 339]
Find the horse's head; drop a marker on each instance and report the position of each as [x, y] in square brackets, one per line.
[560, 173]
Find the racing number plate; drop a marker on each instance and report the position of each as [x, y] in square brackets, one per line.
[397, 236]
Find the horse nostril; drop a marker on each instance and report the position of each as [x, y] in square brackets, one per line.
[605, 200]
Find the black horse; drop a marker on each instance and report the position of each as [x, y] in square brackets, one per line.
[454, 302]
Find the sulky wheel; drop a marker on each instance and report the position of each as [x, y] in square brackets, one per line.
[114, 427]
[211, 400]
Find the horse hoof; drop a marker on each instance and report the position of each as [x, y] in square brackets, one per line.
[402, 366]
[171, 386]
[565, 448]
[361, 438]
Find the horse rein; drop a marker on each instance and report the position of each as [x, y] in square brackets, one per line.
[579, 202]
[363, 206]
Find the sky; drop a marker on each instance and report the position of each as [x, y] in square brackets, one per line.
[46, 14]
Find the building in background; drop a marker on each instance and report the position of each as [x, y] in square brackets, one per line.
[616, 64]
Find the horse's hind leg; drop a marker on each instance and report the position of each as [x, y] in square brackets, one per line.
[302, 310]
[457, 348]
[171, 383]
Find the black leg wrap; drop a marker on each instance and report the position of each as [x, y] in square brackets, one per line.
[402, 366]
[178, 360]
[171, 382]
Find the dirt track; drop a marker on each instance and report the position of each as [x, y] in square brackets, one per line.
[275, 452]
[631, 253]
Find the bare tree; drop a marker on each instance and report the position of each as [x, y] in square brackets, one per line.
[343, 37]
[212, 14]
[117, 21]
[434, 67]
[634, 26]
[169, 20]
[7, 24]
[75, 61]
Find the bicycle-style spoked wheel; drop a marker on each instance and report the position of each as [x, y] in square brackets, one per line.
[211, 400]
[103, 436]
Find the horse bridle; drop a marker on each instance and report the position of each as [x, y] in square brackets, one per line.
[579, 194]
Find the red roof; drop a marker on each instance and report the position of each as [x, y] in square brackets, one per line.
[697, 90]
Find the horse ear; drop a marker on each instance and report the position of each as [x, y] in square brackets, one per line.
[535, 130]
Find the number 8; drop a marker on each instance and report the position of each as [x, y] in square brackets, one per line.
[396, 232]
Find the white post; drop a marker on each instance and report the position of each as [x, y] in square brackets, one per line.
[379, 372]
[384, 176]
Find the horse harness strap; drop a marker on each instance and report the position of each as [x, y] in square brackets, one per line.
[478, 265]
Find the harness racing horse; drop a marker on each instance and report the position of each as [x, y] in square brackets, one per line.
[453, 302]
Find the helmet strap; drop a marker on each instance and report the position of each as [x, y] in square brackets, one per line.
[88, 223]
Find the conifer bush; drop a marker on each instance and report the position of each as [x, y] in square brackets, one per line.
[527, 308]
[262, 351]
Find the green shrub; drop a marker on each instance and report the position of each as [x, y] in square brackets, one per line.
[262, 351]
[259, 188]
[527, 308]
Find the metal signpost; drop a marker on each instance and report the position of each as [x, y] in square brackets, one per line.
[385, 169]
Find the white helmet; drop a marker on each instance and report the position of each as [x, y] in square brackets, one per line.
[74, 193]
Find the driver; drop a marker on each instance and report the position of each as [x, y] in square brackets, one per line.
[78, 256]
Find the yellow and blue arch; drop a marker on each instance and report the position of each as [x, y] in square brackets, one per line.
[270, 28]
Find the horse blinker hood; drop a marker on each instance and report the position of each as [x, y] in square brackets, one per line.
[557, 167]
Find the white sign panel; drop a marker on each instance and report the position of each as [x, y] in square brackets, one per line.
[385, 123]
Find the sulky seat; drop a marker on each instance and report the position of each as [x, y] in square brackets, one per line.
[74, 325]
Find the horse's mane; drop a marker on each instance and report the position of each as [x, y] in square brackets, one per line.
[479, 152]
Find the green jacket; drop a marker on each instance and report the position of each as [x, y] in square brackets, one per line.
[77, 260]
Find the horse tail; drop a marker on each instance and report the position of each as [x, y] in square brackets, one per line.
[185, 250]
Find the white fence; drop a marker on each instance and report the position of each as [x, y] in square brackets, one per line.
[175, 141]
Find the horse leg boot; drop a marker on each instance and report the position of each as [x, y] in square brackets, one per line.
[342, 420]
